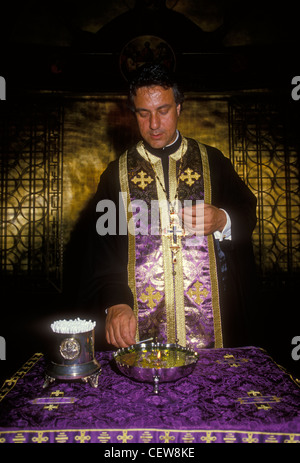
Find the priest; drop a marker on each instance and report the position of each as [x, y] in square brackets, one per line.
[170, 254]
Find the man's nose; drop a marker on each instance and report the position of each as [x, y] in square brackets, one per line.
[154, 121]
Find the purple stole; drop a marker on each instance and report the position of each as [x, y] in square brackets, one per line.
[173, 301]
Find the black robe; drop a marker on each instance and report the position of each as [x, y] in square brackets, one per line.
[105, 281]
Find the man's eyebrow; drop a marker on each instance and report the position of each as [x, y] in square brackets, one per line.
[167, 105]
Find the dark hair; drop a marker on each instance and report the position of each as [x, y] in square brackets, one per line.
[150, 75]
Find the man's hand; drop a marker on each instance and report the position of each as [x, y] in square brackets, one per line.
[203, 219]
[120, 326]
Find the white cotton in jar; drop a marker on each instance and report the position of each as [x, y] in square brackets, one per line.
[72, 326]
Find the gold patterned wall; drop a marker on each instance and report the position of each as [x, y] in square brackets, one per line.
[31, 201]
[265, 154]
[96, 130]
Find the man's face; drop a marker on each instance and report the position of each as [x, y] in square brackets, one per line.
[157, 115]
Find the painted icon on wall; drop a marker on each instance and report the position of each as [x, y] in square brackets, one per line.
[145, 49]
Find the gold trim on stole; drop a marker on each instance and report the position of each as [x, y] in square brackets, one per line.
[211, 252]
[178, 267]
[123, 175]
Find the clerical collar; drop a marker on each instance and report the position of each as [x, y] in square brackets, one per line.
[167, 150]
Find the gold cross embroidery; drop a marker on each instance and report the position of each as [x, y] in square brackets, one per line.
[291, 439]
[189, 177]
[167, 438]
[142, 180]
[196, 291]
[250, 439]
[230, 360]
[57, 393]
[151, 296]
[82, 437]
[208, 438]
[125, 437]
[52, 406]
[40, 438]
[254, 394]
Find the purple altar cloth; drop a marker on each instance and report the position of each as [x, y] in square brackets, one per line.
[233, 395]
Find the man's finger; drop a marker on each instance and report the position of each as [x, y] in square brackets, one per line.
[127, 332]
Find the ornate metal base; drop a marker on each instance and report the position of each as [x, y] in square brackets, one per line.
[92, 380]
[87, 372]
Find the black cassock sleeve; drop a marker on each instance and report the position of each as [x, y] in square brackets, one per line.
[229, 192]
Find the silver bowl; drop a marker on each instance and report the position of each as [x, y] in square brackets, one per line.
[156, 362]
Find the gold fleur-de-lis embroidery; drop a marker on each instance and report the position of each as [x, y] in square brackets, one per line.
[142, 179]
[189, 177]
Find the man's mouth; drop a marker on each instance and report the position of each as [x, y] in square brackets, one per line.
[155, 135]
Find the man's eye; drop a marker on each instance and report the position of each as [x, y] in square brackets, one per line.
[163, 112]
[143, 114]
